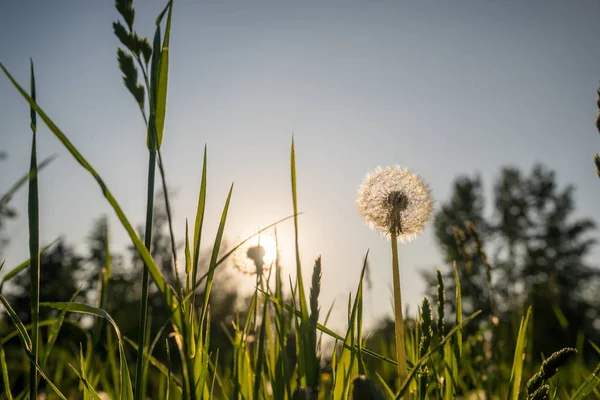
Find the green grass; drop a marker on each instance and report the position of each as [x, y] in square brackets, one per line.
[434, 363]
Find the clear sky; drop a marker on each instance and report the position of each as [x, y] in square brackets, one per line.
[443, 87]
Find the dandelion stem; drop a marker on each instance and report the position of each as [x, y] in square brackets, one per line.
[400, 355]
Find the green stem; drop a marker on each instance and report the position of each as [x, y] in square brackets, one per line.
[139, 380]
[34, 269]
[400, 352]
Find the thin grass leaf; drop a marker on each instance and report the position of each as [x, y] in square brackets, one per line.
[229, 253]
[156, 363]
[6, 380]
[124, 378]
[458, 338]
[215, 253]
[590, 383]
[516, 373]
[167, 292]
[440, 345]
[89, 390]
[6, 197]
[34, 247]
[53, 333]
[26, 340]
[199, 221]
[346, 366]
[13, 272]
[163, 80]
[48, 322]
[290, 308]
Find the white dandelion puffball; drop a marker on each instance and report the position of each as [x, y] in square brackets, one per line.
[394, 200]
[256, 254]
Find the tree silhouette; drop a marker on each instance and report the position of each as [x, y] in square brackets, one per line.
[538, 253]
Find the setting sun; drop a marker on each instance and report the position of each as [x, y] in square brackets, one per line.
[260, 250]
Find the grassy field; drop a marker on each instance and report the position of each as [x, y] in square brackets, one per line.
[276, 345]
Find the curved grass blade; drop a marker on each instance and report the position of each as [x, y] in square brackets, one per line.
[325, 330]
[229, 253]
[167, 292]
[156, 363]
[7, 393]
[13, 272]
[26, 340]
[588, 385]
[53, 333]
[125, 378]
[90, 391]
[516, 373]
[439, 346]
[215, 254]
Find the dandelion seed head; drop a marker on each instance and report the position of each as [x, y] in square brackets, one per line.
[394, 200]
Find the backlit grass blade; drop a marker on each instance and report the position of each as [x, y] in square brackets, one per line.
[230, 252]
[517, 369]
[6, 197]
[163, 80]
[125, 378]
[439, 346]
[26, 340]
[5, 379]
[590, 383]
[34, 248]
[260, 361]
[304, 351]
[143, 314]
[198, 222]
[157, 275]
[53, 333]
[13, 272]
[290, 308]
[458, 321]
[170, 222]
[89, 390]
[347, 366]
[215, 253]
[156, 363]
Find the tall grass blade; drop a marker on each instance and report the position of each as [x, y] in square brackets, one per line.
[516, 373]
[6, 197]
[53, 333]
[124, 378]
[163, 80]
[143, 315]
[439, 346]
[90, 392]
[5, 379]
[13, 272]
[199, 221]
[590, 383]
[167, 292]
[34, 248]
[215, 253]
[26, 340]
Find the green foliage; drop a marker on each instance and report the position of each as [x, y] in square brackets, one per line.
[271, 348]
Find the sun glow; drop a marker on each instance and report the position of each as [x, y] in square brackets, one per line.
[259, 252]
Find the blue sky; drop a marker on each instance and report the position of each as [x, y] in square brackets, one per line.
[445, 88]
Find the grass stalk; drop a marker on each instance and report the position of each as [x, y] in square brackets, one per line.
[139, 381]
[34, 251]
